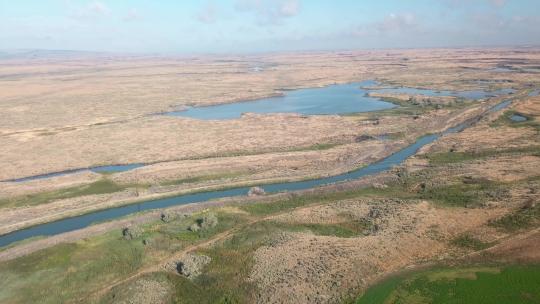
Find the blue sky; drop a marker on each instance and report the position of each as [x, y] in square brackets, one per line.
[245, 26]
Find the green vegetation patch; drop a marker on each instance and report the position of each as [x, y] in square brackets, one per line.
[204, 178]
[156, 287]
[225, 279]
[179, 229]
[308, 199]
[347, 229]
[380, 292]
[468, 241]
[442, 158]
[457, 195]
[411, 109]
[522, 218]
[99, 187]
[316, 147]
[505, 120]
[512, 284]
[67, 272]
[464, 193]
[461, 193]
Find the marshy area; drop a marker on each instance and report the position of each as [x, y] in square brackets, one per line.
[269, 207]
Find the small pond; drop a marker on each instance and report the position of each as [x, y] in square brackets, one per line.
[534, 93]
[518, 118]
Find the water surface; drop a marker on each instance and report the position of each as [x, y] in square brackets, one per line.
[78, 222]
[518, 118]
[98, 169]
[500, 106]
[534, 93]
[116, 168]
[333, 99]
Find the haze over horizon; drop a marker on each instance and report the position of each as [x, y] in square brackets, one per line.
[250, 26]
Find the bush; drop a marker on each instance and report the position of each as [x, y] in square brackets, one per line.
[130, 233]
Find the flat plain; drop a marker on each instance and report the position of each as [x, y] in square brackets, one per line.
[469, 200]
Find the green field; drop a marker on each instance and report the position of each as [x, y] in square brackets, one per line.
[68, 272]
[102, 186]
[505, 120]
[474, 285]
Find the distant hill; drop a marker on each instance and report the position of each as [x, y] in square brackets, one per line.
[48, 54]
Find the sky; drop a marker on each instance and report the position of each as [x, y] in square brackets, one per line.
[252, 26]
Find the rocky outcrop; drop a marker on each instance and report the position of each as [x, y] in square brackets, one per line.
[256, 191]
[169, 216]
[206, 222]
[130, 233]
[190, 266]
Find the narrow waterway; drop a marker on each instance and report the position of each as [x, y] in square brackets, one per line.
[98, 169]
[78, 222]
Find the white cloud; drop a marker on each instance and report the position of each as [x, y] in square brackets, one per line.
[498, 3]
[91, 11]
[455, 4]
[132, 15]
[290, 8]
[270, 12]
[208, 14]
[98, 8]
[397, 22]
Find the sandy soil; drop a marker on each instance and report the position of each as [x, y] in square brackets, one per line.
[251, 170]
[81, 112]
[305, 268]
[227, 203]
[520, 249]
[84, 112]
[507, 169]
[83, 91]
[302, 267]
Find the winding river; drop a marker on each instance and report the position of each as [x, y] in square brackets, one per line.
[98, 169]
[78, 222]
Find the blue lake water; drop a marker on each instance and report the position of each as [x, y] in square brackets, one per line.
[116, 168]
[78, 222]
[333, 99]
[98, 169]
[518, 118]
